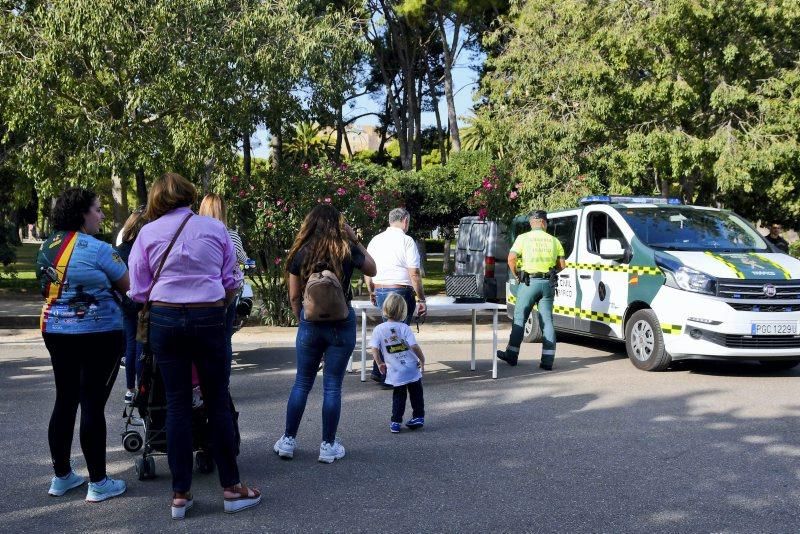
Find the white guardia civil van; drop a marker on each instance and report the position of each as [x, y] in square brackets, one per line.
[673, 282]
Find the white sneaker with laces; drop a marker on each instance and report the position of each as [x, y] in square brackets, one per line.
[328, 452]
[284, 447]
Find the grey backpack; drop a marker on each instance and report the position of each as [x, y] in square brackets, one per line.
[324, 298]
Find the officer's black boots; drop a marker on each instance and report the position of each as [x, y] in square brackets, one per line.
[510, 359]
[546, 366]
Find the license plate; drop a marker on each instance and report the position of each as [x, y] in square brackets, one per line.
[774, 328]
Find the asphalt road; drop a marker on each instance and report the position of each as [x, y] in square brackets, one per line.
[594, 446]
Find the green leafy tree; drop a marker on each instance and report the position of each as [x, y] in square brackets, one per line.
[675, 97]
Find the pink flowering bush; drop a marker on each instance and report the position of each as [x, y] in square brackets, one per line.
[496, 196]
[270, 210]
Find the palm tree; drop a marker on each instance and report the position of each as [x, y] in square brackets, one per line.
[308, 143]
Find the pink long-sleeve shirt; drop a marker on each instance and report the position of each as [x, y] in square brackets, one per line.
[200, 267]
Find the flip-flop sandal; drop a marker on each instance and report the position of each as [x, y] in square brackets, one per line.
[243, 501]
[179, 510]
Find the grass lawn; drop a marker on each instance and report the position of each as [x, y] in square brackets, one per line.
[24, 280]
[433, 282]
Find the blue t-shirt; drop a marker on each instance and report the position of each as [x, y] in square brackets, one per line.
[76, 272]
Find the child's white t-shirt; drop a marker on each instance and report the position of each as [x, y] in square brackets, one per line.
[395, 340]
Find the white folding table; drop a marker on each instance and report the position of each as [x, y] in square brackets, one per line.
[437, 306]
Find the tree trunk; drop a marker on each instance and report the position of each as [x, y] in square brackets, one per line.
[247, 151]
[337, 149]
[208, 168]
[449, 58]
[418, 124]
[439, 134]
[141, 186]
[276, 143]
[119, 200]
[423, 255]
[446, 256]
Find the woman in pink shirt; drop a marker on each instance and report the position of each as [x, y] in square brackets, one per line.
[187, 325]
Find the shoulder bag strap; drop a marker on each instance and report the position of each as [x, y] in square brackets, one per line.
[164, 257]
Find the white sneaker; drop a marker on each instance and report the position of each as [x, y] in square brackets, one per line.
[328, 452]
[284, 447]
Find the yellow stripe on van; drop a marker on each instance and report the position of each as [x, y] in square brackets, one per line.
[632, 269]
[587, 314]
[729, 265]
[671, 328]
[786, 274]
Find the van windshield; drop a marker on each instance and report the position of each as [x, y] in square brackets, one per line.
[690, 228]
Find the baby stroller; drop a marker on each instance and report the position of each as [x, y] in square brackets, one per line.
[244, 300]
[151, 404]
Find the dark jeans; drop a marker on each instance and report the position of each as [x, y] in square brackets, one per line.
[85, 367]
[407, 293]
[335, 341]
[133, 349]
[178, 338]
[230, 317]
[414, 390]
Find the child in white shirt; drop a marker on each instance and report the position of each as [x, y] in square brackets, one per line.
[395, 350]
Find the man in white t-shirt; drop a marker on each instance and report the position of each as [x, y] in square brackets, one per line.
[397, 259]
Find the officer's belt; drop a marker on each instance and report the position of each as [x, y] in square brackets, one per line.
[537, 275]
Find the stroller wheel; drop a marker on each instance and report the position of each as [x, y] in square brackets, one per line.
[132, 441]
[204, 462]
[145, 468]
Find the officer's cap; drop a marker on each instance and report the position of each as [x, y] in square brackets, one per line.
[538, 214]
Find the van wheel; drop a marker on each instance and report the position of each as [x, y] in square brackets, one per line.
[644, 342]
[533, 331]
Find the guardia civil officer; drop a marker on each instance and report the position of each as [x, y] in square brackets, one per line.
[542, 256]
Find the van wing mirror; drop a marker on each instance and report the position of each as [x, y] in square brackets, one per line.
[611, 249]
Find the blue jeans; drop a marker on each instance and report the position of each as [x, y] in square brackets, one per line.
[407, 293]
[178, 337]
[133, 349]
[335, 341]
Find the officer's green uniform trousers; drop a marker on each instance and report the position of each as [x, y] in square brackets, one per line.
[538, 293]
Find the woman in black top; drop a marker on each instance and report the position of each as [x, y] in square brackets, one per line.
[324, 238]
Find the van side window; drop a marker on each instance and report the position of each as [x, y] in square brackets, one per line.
[563, 229]
[477, 236]
[600, 226]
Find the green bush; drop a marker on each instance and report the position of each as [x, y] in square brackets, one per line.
[794, 249]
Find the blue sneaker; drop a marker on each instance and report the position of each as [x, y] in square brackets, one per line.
[109, 487]
[394, 427]
[59, 486]
[415, 422]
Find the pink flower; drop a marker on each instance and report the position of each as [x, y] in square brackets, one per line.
[278, 261]
[482, 213]
[242, 193]
[513, 194]
[327, 200]
[279, 202]
[366, 198]
[343, 166]
[270, 225]
[235, 179]
[304, 166]
[286, 209]
[341, 191]
[361, 183]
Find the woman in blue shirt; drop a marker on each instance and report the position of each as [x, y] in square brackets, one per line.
[82, 329]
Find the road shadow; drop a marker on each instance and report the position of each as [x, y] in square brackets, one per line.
[546, 452]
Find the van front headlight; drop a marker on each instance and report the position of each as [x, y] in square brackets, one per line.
[689, 279]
